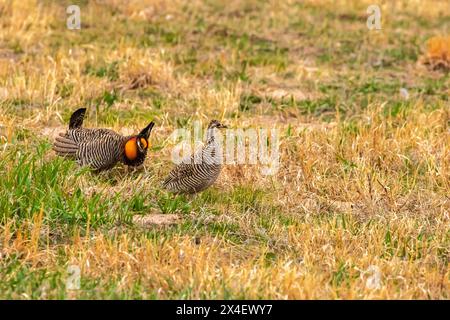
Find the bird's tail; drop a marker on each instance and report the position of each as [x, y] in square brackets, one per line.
[64, 146]
[76, 120]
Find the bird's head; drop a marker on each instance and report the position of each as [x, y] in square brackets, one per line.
[216, 124]
[136, 146]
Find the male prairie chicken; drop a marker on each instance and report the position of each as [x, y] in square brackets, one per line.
[199, 171]
[101, 149]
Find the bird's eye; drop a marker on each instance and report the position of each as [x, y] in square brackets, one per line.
[143, 142]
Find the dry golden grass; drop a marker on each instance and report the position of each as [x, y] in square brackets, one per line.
[364, 177]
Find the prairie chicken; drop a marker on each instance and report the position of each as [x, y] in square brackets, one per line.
[101, 149]
[199, 171]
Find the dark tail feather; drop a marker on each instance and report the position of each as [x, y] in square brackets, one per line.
[76, 120]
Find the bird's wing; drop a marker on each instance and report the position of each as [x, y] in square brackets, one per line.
[100, 153]
[88, 134]
[68, 143]
[180, 172]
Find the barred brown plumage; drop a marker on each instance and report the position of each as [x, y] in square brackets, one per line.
[199, 171]
[101, 149]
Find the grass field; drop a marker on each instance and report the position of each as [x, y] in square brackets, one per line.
[359, 208]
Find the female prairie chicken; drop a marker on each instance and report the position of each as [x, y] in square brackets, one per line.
[199, 171]
[101, 149]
